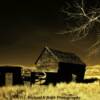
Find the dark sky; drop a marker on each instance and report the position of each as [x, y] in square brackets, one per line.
[27, 26]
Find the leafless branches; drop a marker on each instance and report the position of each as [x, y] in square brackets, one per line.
[86, 19]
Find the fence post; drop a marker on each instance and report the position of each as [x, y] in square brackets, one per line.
[99, 81]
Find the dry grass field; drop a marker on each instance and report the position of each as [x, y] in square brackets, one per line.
[62, 91]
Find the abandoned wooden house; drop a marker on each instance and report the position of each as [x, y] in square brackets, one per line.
[10, 75]
[52, 66]
[60, 66]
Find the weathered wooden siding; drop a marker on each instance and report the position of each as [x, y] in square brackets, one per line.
[47, 62]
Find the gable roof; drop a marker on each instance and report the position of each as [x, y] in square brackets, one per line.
[65, 57]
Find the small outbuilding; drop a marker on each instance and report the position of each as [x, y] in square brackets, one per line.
[10, 75]
[64, 66]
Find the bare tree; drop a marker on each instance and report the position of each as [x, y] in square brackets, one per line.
[84, 19]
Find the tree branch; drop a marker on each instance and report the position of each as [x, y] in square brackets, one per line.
[91, 17]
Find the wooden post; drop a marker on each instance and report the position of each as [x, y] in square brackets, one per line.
[8, 79]
[99, 81]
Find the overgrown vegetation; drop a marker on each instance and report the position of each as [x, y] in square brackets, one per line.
[84, 91]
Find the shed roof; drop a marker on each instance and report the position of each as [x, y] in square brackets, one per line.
[65, 57]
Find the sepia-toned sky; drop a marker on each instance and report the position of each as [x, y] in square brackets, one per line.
[26, 26]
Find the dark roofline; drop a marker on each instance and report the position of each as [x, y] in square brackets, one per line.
[40, 55]
[50, 50]
[46, 48]
[70, 53]
[67, 53]
[10, 65]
